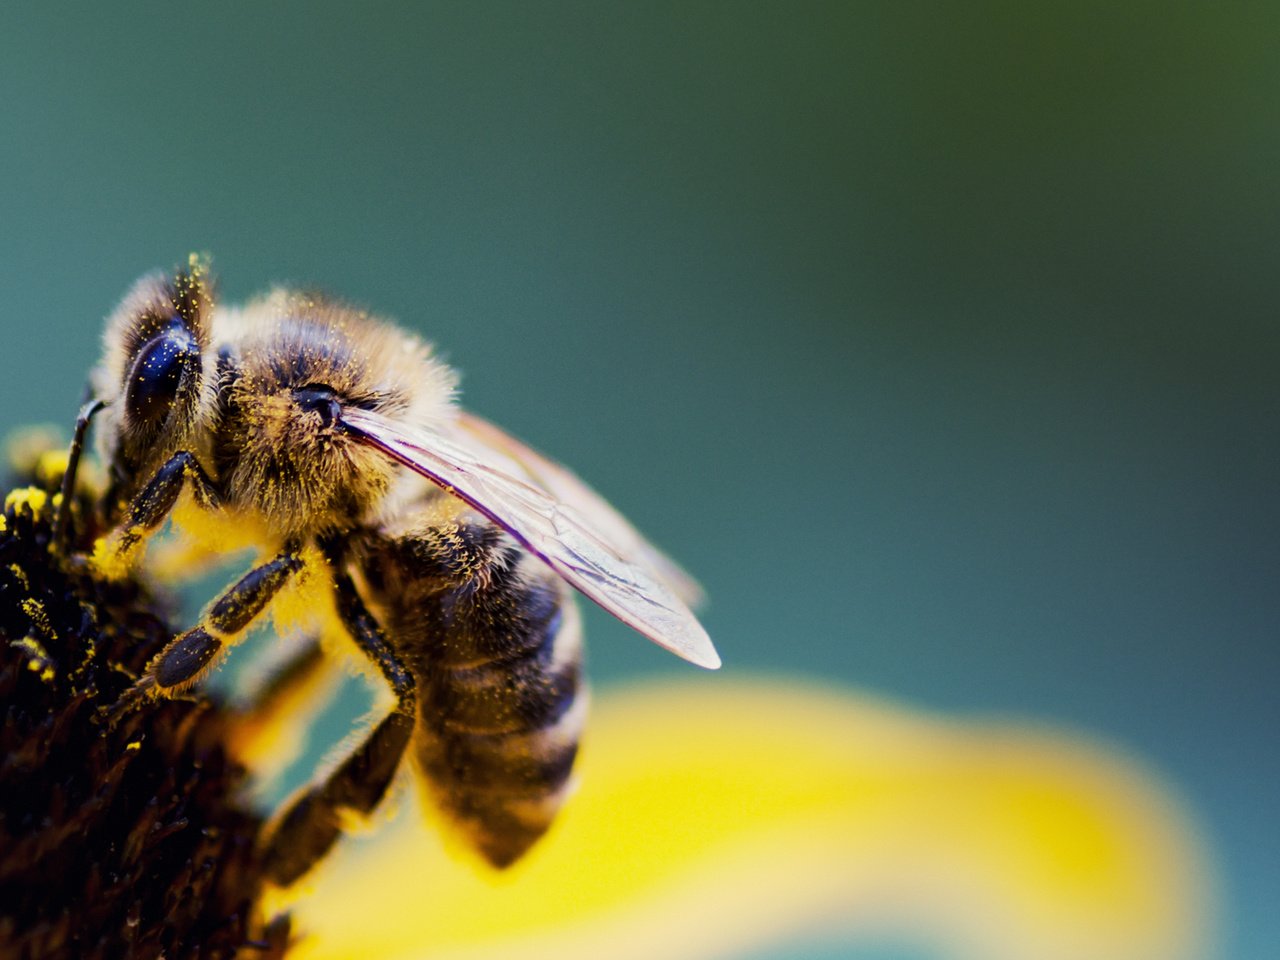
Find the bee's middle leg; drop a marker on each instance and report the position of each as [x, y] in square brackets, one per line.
[312, 819]
[187, 656]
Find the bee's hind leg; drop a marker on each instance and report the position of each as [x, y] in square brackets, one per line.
[312, 819]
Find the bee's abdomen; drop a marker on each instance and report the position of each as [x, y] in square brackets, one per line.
[502, 790]
[497, 653]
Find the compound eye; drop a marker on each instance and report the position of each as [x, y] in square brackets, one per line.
[157, 375]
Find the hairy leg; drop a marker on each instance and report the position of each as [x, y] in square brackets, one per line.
[312, 819]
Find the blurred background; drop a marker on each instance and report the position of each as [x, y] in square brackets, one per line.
[939, 340]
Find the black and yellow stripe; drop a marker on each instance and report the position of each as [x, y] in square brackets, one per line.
[493, 638]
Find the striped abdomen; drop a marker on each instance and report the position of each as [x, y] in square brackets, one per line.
[493, 639]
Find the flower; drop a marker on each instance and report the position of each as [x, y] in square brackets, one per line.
[712, 817]
[116, 840]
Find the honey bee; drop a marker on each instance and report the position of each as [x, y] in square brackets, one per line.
[330, 441]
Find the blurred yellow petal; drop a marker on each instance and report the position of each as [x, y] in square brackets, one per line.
[716, 817]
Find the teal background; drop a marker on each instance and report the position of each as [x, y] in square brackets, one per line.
[939, 340]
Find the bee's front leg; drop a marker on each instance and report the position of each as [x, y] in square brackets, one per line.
[312, 819]
[62, 522]
[116, 553]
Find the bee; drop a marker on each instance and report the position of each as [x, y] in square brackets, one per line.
[443, 548]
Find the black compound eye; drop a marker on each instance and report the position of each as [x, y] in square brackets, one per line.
[317, 398]
[157, 375]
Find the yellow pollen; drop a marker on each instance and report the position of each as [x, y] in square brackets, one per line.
[51, 466]
[33, 498]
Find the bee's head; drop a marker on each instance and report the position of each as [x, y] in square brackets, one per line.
[152, 370]
[302, 362]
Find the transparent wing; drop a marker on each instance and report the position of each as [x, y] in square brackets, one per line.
[567, 487]
[571, 542]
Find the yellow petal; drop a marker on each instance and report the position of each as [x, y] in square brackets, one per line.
[714, 817]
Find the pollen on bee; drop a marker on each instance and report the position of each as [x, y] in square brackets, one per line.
[115, 556]
[215, 532]
[306, 603]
